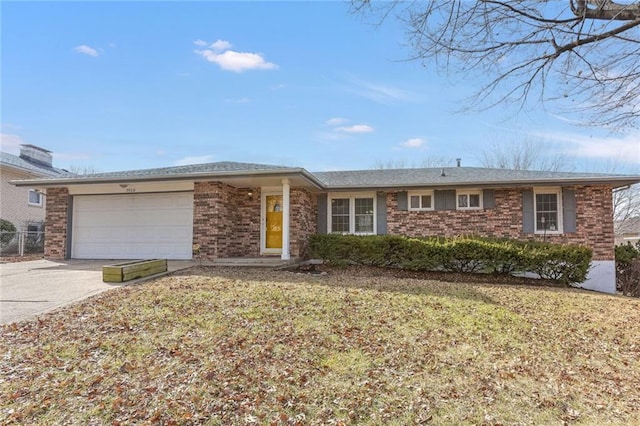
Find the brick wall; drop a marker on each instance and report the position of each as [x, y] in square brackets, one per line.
[245, 234]
[303, 221]
[226, 221]
[55, 243]
[594, 216]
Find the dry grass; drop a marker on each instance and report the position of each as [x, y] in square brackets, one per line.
[257, 347]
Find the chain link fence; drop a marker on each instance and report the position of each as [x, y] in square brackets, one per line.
[21, 243]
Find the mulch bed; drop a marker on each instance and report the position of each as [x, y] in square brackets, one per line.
[16, 258]
[456, 277]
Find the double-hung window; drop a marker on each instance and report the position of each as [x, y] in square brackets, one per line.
[469, 199]
[35, 198]
[420, 200]
[352, 213]
[548, 210]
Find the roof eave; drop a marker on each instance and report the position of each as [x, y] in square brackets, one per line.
[616, 182]
[25, 170]
[48, 183]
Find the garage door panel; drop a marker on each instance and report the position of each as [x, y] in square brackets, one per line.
[133, 226]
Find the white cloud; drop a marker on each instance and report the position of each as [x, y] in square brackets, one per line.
[86, 50]
[413, 143]
[380, 93]
[221, 45]
[336, 121]
[356, 128]
[10, 143]
[185, 161]
[219, 53]
[624, 149]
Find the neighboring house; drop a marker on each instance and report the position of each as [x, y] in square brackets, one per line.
[231, 210]
[628, 231]
[25, 206]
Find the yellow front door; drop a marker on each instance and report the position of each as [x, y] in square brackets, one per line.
[273, 229]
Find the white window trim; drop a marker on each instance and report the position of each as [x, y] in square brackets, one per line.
[548, 190]
[40, 197]
[420, 194]
[468, 192]
[352, 210]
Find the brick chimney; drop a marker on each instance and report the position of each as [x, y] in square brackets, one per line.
[35, 154]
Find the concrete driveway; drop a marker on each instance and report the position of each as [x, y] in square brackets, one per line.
[28, 289]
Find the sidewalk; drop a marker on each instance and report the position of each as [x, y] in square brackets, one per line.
[31, 288]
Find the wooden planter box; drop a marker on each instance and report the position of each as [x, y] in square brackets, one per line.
[121, 272]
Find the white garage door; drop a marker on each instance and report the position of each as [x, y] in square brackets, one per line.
[132, 226]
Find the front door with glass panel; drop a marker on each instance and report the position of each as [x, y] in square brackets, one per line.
[273, 222]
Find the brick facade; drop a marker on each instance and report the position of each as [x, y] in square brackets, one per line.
[594, 219]
[55, 243]
[226, 220]
[303, 221]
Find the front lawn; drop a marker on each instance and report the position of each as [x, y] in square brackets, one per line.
[220, 346]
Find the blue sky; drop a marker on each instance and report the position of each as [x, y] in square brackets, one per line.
[128, 85]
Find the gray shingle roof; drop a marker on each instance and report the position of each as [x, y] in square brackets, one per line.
[213, 168]
[36, 169]
[398, 178]
[357, 179]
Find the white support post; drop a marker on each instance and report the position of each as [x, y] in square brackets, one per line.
[285, 219]
[21, 243]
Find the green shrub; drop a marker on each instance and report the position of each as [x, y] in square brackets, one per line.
[7, 232]
[628, 269]
[565, 264]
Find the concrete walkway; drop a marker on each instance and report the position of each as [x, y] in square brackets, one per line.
[28, 289]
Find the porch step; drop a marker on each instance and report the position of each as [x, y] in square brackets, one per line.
[251, 262]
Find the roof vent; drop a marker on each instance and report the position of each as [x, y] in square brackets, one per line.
[442, 174]
[35, 154]
[458, 161]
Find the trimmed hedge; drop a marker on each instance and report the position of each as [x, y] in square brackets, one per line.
[562, 263]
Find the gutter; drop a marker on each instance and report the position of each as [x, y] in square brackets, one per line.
[614, 181]
[618, 182]
[33, 172]
[159, 178]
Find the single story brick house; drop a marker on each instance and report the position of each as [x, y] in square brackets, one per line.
[229, 210]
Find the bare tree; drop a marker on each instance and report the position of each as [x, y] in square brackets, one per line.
[528, 155]
[581, 56]
[524, 155]
[427, 162]
[626, 204]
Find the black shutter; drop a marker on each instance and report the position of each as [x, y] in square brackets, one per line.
[569, 210]
[488, 198]
[381, 213]
[444, 200]
[322, 214]
[402, 201]
[528, 219]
